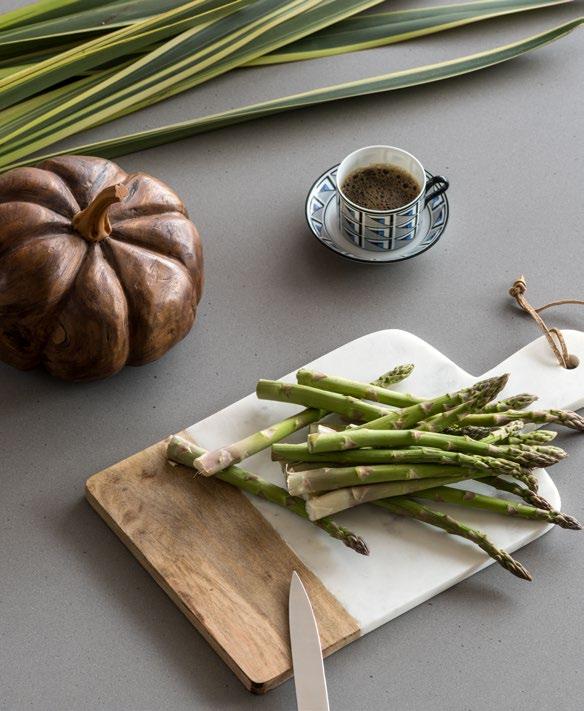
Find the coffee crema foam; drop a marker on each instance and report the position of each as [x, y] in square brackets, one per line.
[381, 187]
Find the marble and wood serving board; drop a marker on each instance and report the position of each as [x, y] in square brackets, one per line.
[226, 559]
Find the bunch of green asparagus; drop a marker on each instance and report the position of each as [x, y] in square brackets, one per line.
[394, 450]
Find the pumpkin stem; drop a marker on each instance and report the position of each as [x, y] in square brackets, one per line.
[93, 223]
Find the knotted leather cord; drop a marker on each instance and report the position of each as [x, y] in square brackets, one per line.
[554, 335]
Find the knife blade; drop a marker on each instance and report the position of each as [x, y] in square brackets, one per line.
[309, 677]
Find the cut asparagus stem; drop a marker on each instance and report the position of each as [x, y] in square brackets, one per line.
[407, 507]
[184, 452]
[410, 416]
[344, 405]
[412, 455]
[316, 481]
[352, 439]
[341, 499]
[471, 499]
[215, 461]
[317, 427]
[515, 402]
[354, 388]
[503, 433]
[535, 437]
[395, 375]
[560, 417]
[522, 492]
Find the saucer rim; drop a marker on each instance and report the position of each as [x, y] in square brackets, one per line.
[354, 258]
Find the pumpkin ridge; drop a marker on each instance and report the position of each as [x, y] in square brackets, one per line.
[150, 209]
[164, 213]
[65, 187]
[72, 175]
[133, 182]
[92, 248]
[151, 251]
[51, 316]
[110, 258]
[134, 243]
[58, 224]
[36, 204]
[40, 237]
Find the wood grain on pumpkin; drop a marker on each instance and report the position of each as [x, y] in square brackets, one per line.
[85, 306]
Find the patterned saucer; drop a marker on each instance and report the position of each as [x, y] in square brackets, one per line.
[322, 217]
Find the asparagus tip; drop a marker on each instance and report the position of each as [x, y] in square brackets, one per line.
[514, 566]
[357, 544]
[566, 521]
[539, 502]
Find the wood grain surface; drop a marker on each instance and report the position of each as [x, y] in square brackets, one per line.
[218, 559]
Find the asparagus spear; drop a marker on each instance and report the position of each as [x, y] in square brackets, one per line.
[184, 452]
[340, 499]
[515, 402]
[447, 419]
[412, 455]
[406, 507]
[215, 461]
[352, 439]
[408, 417]
[530, 497]
[354, 388]
[529, 479]
[316, 481]
[395, 375]
[491, 435]
[535, 437]
[560, 417]
[345, 405]
[503, 433]
[471, 499]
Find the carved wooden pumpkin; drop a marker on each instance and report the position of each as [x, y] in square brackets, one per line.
[98, 268]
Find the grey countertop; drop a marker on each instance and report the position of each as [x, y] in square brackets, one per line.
[82, 625]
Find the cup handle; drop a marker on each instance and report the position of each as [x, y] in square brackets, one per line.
[442, 186]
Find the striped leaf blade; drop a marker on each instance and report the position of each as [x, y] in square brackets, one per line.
[83, 25]
[388, 82]
[181, 63]
[44, 10]
[126, 40]
[375, 30]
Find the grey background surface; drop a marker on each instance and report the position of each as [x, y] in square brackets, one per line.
[82, 625]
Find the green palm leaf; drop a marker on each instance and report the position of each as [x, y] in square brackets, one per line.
[374, 30]
[44, 10]
[387, 82]
[193, 57]
[81, 26]
[116, 44]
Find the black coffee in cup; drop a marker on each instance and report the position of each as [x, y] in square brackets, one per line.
[381, 187]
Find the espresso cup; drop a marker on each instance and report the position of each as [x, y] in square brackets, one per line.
[384, 230]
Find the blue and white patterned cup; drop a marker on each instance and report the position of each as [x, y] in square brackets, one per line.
[384, 230]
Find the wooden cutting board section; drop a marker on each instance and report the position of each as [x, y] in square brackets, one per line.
[226, 560]
[219, 560]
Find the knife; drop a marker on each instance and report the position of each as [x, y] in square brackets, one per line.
[309, 678]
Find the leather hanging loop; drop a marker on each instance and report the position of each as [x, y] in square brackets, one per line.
[554, 336]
